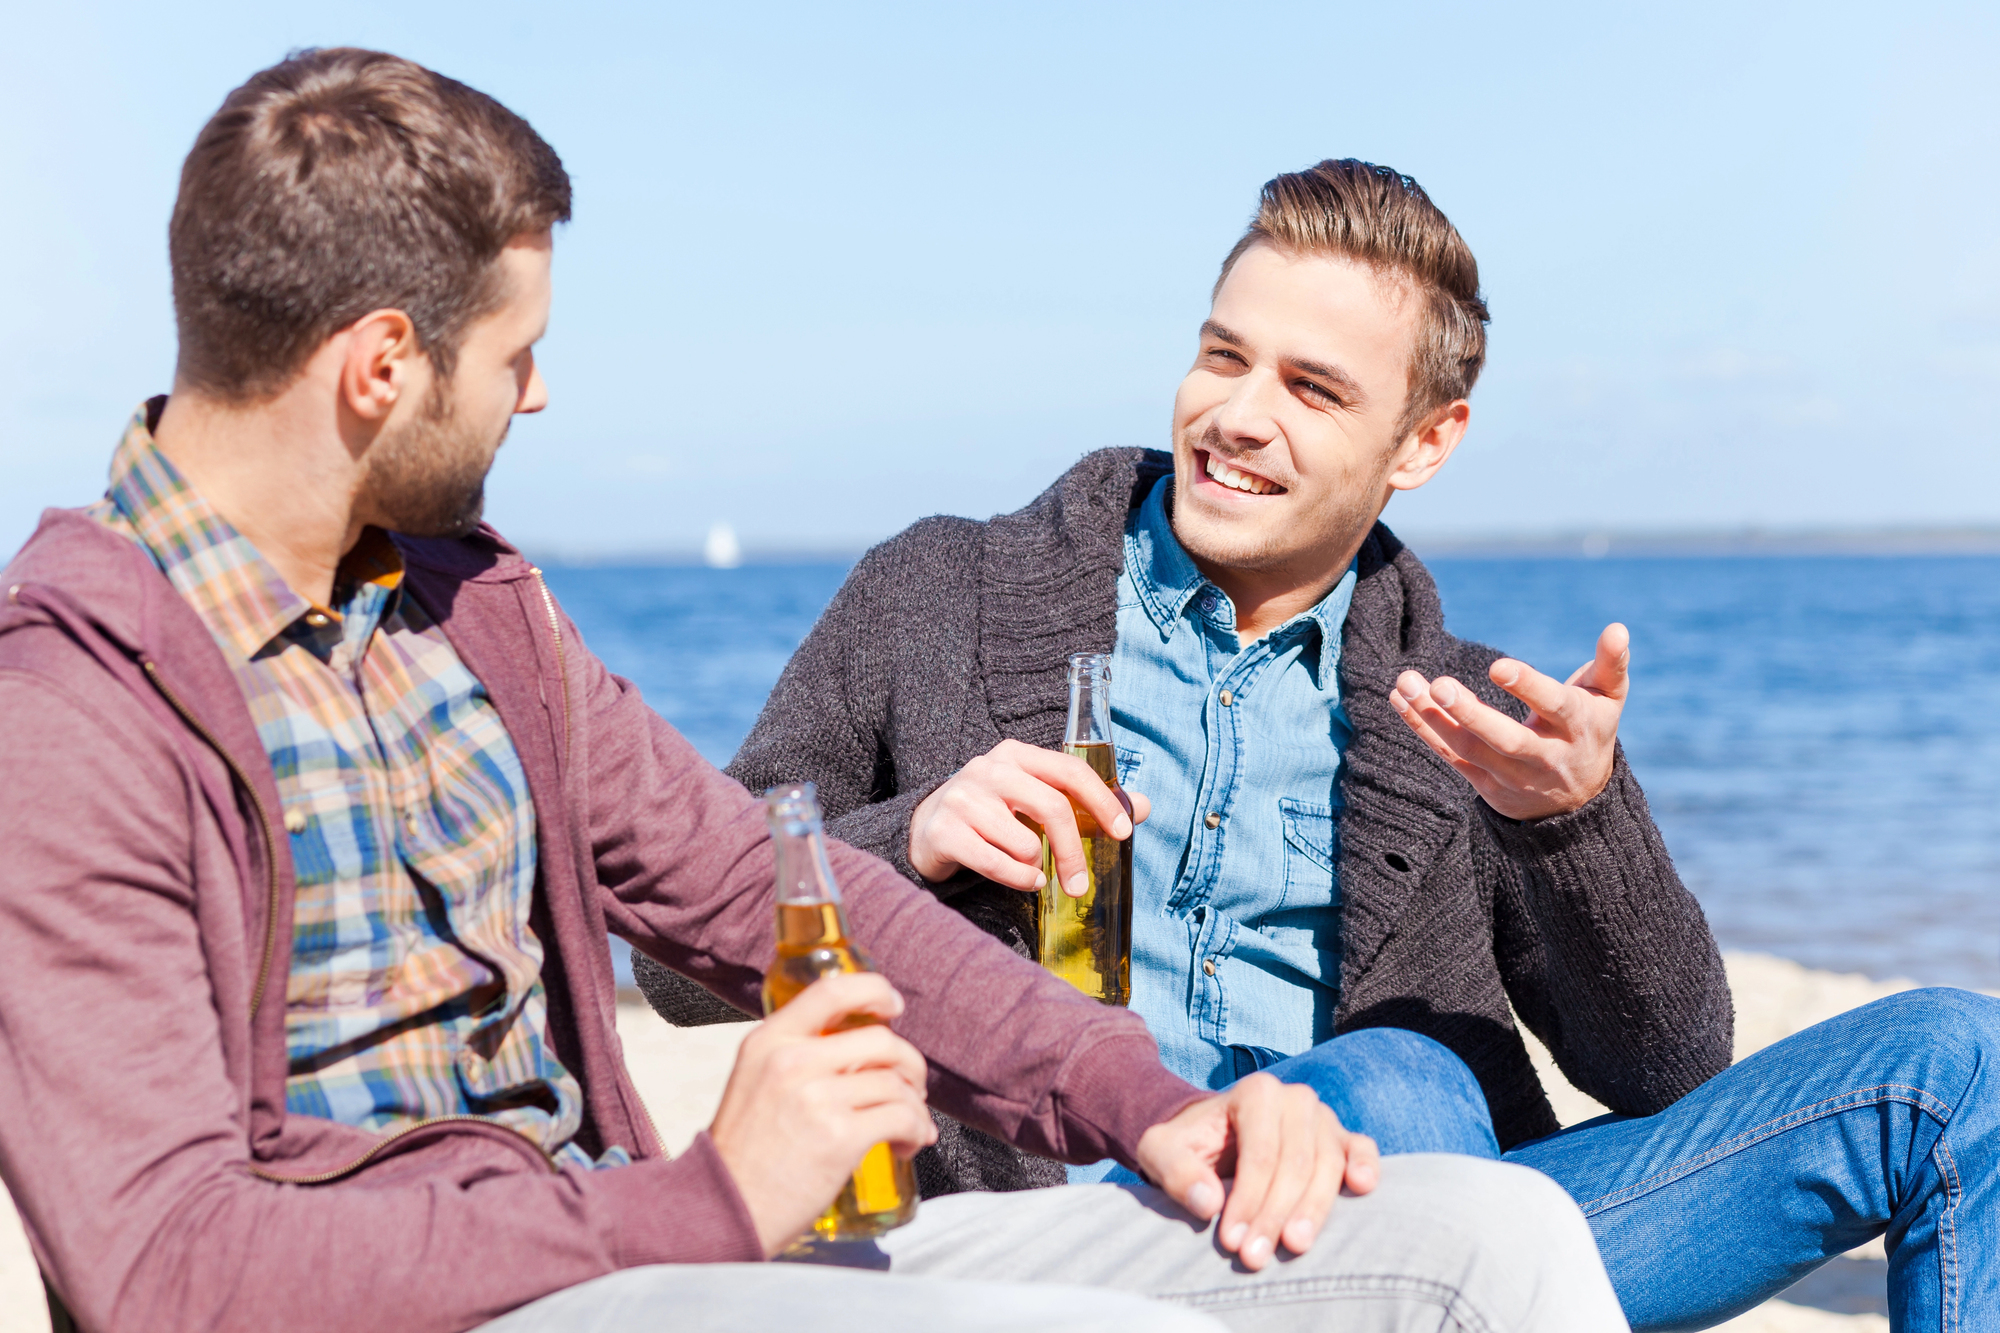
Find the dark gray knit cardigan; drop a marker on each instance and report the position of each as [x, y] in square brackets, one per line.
[955, 634]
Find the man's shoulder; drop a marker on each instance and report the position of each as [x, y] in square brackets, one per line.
[1081, 513]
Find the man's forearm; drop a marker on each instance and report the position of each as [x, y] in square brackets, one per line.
[1624, 979]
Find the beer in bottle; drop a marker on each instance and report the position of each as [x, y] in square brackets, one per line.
[1087, 941]
[812, 942]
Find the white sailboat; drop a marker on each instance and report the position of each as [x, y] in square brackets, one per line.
[722, 550]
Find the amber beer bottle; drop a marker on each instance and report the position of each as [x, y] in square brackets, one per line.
[813, 942]
[1087, 941]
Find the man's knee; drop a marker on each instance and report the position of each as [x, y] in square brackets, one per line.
[1508, 1238]
[1406, 1091]
[1940, 1018]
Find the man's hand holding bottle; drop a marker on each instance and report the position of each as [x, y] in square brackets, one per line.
[801, 1109]
[974, 821]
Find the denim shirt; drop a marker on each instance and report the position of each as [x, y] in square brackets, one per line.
[1235, 914]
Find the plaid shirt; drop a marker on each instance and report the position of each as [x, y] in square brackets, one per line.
[415, 987]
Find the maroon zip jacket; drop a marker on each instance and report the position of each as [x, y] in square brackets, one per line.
[145, 933]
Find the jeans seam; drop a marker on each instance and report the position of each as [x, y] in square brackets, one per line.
[1448, 1298]
[1846, 1101]
[1948, 1232]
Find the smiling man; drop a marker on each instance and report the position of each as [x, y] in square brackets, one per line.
[1364, 846]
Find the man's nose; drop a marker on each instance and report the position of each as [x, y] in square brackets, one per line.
[1249, 416]
[535, 393]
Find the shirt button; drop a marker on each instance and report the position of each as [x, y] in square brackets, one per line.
[1227, 698]
[1214, 820]
[295, 821]
[1208, 967]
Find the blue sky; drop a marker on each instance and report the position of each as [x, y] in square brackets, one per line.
[837, 267]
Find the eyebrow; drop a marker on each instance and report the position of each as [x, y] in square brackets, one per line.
[1349, 389]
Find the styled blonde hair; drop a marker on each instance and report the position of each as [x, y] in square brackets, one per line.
[1377, 216]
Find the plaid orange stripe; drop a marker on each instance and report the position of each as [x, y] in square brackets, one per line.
[415, 987]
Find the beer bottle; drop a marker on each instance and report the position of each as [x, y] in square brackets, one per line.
[813, 942]
[1087, 941]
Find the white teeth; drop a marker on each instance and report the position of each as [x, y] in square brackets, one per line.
[1229, 476]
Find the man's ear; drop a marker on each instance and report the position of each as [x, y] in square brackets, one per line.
[380, 367]
[1429, 446]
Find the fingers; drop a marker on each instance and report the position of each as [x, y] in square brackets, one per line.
[1308, 1158]
[1364, 1163]
[1609, 672]
[1552, 700]
[831, 999]
[1340, 1156]
[1253, 1113]
[976, 820]
[1076, 780]
[1466, 728]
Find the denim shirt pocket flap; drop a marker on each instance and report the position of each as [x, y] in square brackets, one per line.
[1128, 764]
[1309, 830]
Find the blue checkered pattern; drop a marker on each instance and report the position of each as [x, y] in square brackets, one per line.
[415, 985]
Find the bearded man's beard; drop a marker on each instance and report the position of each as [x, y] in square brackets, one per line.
[429, 479]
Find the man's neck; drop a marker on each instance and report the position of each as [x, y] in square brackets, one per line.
[278, 471]
[1266, 598]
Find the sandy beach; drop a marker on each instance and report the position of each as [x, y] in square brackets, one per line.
[680, 1073]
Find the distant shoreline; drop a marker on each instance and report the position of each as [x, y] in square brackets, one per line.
[1572, 545]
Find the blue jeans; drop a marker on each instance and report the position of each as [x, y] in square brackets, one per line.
[1883, 1120]
[1406, 1092]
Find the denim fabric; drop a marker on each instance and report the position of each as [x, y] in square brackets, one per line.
[1884, 1120]
[1408, 1093]
[1235, 928]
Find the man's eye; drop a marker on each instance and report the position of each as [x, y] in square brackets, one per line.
[1320, 392]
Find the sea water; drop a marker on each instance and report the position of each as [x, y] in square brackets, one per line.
[1819, 736]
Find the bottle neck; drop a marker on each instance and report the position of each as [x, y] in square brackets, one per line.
[1089, 708]
[804, 874]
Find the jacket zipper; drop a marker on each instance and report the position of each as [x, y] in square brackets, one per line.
[263, 826]
[375, 1150]
[562, 668]
[562, 679]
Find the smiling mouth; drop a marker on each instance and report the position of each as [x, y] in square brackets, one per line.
[1225, 475]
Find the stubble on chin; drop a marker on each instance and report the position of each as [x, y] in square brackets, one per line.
[1293, 532]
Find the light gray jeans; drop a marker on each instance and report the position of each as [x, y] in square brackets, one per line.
[1444, 1245]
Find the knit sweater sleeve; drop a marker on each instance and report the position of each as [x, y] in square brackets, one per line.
[830, 720]
[1605, 954]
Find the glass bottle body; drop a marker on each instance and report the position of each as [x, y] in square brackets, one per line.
[1087, 941]
[813, 942]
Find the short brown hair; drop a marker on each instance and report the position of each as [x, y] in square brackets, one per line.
[1379, 217]
[339, 182]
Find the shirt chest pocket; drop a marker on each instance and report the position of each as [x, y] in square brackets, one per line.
[1312, 844]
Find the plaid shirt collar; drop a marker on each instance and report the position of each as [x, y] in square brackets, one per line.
[242, 599]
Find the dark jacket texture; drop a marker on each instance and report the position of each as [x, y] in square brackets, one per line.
[146, 927]
[954, 635]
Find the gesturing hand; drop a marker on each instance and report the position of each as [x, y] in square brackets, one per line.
[801, 1109]
[970, 821]
[1289, 1156]
[1556, 761]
